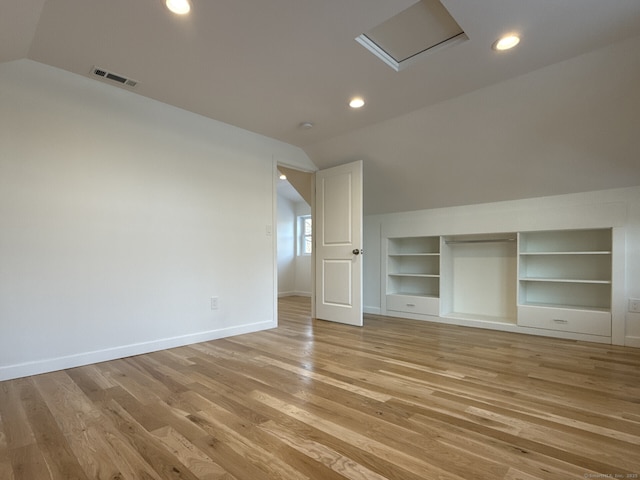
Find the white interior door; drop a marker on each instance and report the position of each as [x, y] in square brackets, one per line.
[338, 243]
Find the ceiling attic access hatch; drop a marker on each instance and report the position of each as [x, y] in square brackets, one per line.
[410, 35]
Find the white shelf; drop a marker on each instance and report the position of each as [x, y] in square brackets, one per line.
[409, 294]
[413, 275]
[567, 307]
[419, 275]
[564, 270]
[414, 254]
[565, 241]
[563, 280]
[414, 246]
[595, 252]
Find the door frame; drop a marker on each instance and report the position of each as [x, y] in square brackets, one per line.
[314, 236]
[276, 177]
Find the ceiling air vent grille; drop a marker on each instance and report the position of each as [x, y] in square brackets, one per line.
[101, 72]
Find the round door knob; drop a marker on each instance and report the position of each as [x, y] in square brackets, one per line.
[356, 251]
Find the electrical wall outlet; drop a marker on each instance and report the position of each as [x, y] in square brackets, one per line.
[214, 303]
[634, 305]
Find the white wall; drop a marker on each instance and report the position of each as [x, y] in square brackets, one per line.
[303, 262]
[618, 208]
[286, 246]
[120, 217]
[294, 271]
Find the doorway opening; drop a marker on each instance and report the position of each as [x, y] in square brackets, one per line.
[294, 233]
[335, 264]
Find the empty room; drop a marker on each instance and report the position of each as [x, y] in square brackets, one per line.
[359, 240]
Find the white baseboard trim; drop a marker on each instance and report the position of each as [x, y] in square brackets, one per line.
[372, 310]
[294, 294]
[86, 358]
[630, 341]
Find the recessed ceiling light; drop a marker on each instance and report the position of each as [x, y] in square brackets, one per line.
[179, 7]
[306, 125]
[283, 176]
[507, 42]
[356, 102]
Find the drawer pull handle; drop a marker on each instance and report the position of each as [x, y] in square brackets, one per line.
[411, 304]
[559, 320]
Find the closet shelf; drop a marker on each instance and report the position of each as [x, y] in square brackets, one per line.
[564, 306]
[414, 254]
[410, 294]
[595, 252]
[417, 275]
[564, 280]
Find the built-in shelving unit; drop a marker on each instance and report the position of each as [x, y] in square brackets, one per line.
[566, 269]
[565, 280]
[413, 275]
[549, 282]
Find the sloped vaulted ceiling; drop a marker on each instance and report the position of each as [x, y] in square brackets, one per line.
[463, 125]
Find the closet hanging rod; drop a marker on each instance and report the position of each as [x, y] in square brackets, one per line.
[484, 240]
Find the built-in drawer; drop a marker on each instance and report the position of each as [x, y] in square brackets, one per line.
[565, 319]
[414, 304]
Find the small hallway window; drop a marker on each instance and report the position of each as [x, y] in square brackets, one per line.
[305, 237]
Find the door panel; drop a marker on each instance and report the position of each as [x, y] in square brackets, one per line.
[337, 282]
[338, 235]
[336, 192]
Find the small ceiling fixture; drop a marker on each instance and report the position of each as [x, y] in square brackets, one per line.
[306, 125]
[283, 176]
[507, 42]
[179, 7]
[356, 102]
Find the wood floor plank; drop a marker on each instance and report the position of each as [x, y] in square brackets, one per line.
[16, 427]
[166, 464]
[323, 454]
[105, 449]
[395, 400]
[50, 440]
[191, 456]
[408, 440]
[6, 472]
[28, 463]
[241, 437]
[355, 439]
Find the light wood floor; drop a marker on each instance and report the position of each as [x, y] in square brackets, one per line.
[397, 399]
